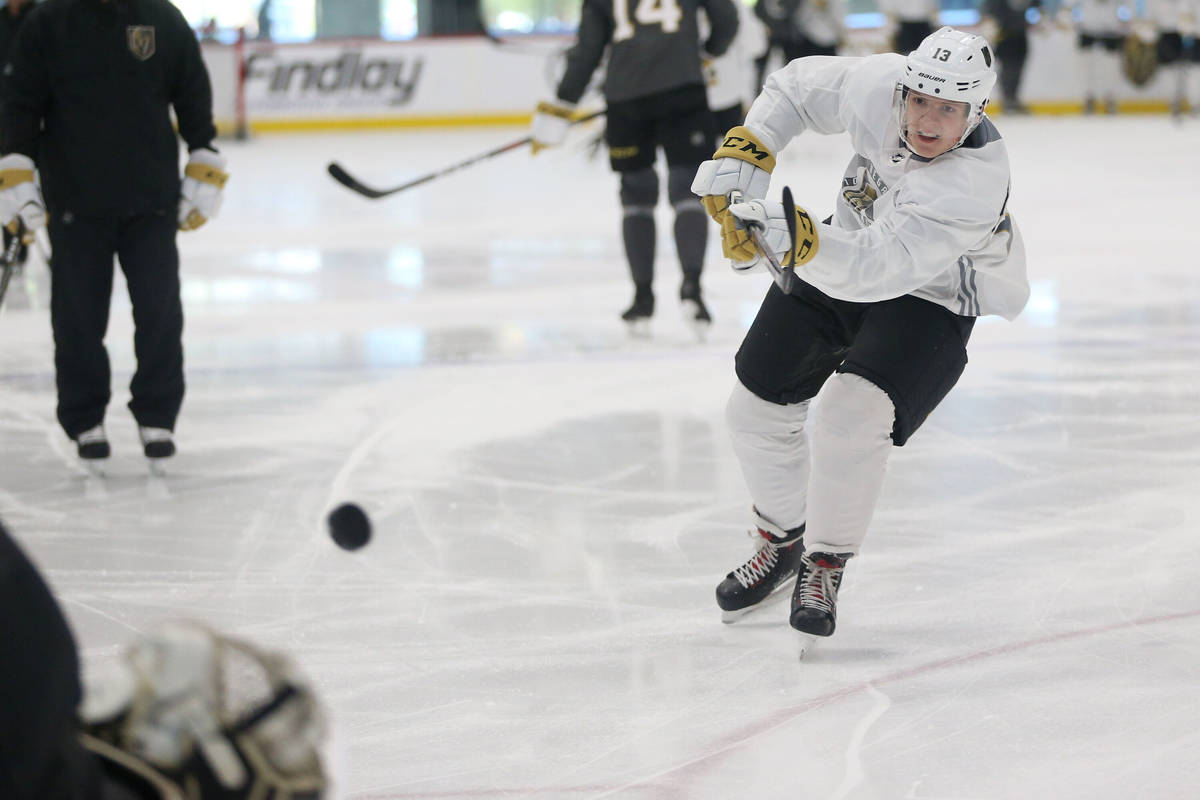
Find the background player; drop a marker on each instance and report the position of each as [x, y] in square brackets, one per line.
[654, 88]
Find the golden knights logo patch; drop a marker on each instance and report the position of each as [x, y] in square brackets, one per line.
[141, 41]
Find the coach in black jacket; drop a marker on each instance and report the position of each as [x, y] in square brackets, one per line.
[85, 99]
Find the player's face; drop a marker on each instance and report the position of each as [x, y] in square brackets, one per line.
[933, 126]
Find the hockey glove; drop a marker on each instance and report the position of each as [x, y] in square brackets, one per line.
[203, 182]
[20, 196]
[770, 220]
[742, 163]
[550, 124]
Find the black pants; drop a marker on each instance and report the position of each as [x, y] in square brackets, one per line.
[677, 120]
[80, 296]
[912, 349]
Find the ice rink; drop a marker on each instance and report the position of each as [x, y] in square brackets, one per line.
[555, 502]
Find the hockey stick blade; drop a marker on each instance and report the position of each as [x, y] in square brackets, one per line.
[339, 173]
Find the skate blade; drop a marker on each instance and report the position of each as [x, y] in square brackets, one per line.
[806, 644]
[639, 328]
[95, 467]
[157, 466]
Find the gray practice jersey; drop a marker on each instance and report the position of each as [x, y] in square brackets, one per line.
[654, 46]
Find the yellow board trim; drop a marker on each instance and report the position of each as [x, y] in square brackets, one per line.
[378, 123]
[228, 128]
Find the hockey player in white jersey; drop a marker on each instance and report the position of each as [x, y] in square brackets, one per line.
[1101, 32]
[887, 292]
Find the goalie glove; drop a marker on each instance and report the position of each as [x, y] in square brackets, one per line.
[550, 124]
[209, 716]
[772, 223]
[741, 164]
[20, 197]
[203, 184]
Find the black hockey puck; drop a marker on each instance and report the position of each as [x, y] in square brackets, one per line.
[349, 526]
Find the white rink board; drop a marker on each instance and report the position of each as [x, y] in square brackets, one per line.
[472, 79]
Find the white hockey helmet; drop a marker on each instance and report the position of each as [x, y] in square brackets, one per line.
[953, 65]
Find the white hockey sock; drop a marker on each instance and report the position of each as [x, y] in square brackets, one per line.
[772, 448]
[851, 441]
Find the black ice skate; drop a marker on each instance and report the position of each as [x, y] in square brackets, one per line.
[157, 443]
[92, 448]
[92, 444]
[638, 315]
[774, 563]
[814, 600]
[695, 313]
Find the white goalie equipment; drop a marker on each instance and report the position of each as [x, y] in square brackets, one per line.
[198, 715]
[952, 65]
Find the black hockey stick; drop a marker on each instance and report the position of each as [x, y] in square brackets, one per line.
[8, 261]
[339, 173]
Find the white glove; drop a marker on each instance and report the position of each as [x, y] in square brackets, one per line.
[736, 243]
[550, 124]
[772, 224]
[203, 181]
[20, 196]
[741, 164]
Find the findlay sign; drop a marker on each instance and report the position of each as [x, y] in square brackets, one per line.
[332, 79]
[453, 78]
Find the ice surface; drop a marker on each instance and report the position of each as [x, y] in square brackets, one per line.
[555, 503]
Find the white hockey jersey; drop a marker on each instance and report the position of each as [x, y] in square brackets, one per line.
[1099, 17]
[936, 229]
[730, 78]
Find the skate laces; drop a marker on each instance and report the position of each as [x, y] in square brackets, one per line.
[766, 555]
[821, 580]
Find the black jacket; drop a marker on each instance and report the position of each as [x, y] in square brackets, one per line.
[86, 94]
[9, 26]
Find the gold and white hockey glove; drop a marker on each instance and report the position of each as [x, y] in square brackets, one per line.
[769, 218]
[203, 184]
[550, 124]
[741, 164]
[20, 196]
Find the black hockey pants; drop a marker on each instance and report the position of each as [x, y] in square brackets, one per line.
[80, 296]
